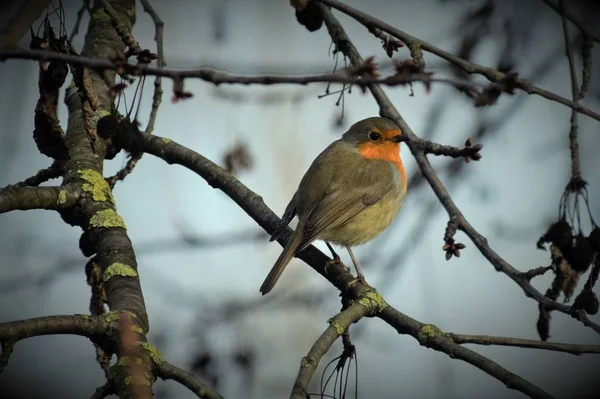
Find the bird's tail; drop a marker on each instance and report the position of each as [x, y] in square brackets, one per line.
[286, 256]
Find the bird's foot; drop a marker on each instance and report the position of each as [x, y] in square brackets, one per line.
[360, 279]
[335, 261]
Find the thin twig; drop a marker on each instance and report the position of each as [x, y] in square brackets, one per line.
[156, 98]
[574, 349]
[85, 6]
[167, 371]
[218, 77]
[43, 175]
[490, 73]
[88, 326]
[574, 145]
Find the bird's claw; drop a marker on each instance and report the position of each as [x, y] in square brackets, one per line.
[335, 261]
[360, 279]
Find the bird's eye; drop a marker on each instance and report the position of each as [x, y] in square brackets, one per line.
[374, 136]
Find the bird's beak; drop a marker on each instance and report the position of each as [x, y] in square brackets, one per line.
[399, 138]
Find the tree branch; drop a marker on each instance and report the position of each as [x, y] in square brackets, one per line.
[218, 77]
[43, 175]
[432, 337]
[86, 326]
[491, 74]
[337, 326]
[167, 371]
[573, 143]
[25, 197]
[574, 349]
[104, 231]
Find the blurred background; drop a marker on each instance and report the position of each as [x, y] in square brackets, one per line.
[201, 259]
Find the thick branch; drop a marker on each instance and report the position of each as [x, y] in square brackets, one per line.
[167, 371]
[490, 73]
[23, 198]
[104, 231]
[87, 326]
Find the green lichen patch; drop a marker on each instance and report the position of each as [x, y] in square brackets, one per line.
[107, 218]
[95, 185]
[118, 269]
[126, 361]
[338, 327]
[308, 362]
[137, 329]
[372, 300]
[153, 352]
[111, 317]
[137, 380]
[166, 140]
[428, 332]
[100, 14]
[62, 197]
[130, 12]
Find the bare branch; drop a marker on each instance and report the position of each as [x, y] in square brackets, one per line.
[87, 326]
[574, 349]
[167, 371]
[471, 68]
[574, 145]
[85, 6]
[337, 326]
[156, 98]
[218, 77]
[23, 198]
[432, 337]
[43, 175]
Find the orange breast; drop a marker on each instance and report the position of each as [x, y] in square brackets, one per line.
[388, 151]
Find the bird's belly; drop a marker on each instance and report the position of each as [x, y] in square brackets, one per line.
[366, 225]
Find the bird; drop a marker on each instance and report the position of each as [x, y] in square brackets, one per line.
[350, 194]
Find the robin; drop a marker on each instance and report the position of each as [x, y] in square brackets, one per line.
[351, 193]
